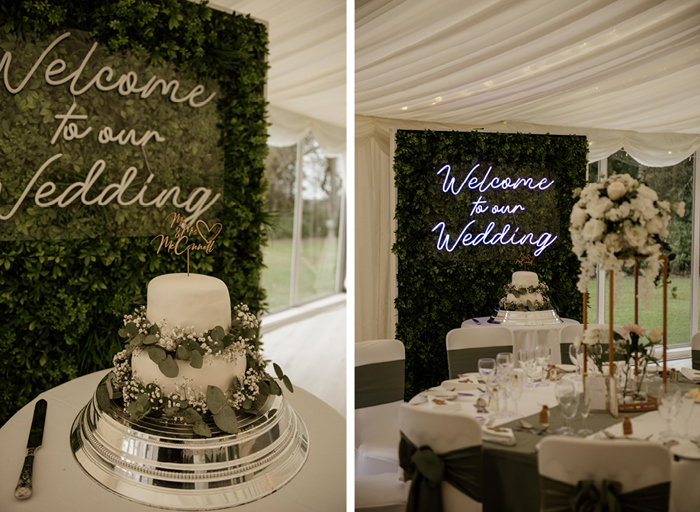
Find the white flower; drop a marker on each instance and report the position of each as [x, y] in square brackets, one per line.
[613, 241]
[647, 193]
[655, 225]
[655, 335]
[597, 207]
[616, 190]
[577, 342]
[635, 235]
[593, 230]
[664, 205]
[578, 216]
[680, 209]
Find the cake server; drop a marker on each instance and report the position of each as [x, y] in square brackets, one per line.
[36, 435]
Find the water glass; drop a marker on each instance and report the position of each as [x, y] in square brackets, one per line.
[504, 361]
[668, 404]
[584, 408]
[685, 411]
[517, 388]
[527, 360]
[567, 398]
[543, 354]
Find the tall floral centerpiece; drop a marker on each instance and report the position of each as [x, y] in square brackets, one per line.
[620, 217]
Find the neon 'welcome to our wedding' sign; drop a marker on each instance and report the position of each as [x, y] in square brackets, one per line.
[492, 207]
[96, 143]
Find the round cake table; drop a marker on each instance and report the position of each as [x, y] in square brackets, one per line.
[61, 485]
[529, 336]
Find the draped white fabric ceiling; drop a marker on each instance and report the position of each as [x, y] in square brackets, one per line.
[618, 65]
[306, 80]
[624, 73]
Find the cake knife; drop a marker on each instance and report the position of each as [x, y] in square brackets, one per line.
[36, 435]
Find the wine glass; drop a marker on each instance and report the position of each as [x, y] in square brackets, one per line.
[567, 397]
[504, 361]
[543, 354]
[584, 407]
[526, 357]
[505, 379]
[668, 405]
[518, 383]
[685, 411]
[487, 368]
[575, 354]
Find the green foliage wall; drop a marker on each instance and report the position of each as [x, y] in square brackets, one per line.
[437, 291]
[61, 301]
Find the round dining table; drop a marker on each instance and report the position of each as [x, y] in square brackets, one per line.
[529, 336]
[60, 484]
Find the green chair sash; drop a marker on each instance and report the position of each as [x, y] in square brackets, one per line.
[556, 496]
[564, 348]
[426, 470]
[466, 360]
[379, 383]
[695, 354]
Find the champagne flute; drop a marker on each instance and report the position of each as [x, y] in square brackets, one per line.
[567, 397]
[585, 409]
[517, 388]
[543, 354]
[487, 367]
[668, 401]
[575, 356]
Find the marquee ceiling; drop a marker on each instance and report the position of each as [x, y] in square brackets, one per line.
[307, 54]
[618, 65]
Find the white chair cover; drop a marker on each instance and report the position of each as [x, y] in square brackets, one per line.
[635, 464]
[695, 351]
[381, 493]
[443, 432]
[470, 338]
[376, 427]
[569, 332]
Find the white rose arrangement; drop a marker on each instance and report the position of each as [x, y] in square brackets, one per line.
[620, 217]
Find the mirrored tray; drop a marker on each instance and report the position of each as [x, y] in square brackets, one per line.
[162, 463]
[546, 317]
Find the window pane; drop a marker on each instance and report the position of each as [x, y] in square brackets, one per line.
[280, 171]
[322, 190]
[674, 183]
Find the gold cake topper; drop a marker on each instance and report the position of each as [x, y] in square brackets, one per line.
[525, 260]
[180, 243]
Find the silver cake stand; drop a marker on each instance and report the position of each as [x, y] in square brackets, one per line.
[545, 317]
[162, 463]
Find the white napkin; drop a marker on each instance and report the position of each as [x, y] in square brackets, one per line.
[443, 405]
[498, 435]
[689, 373]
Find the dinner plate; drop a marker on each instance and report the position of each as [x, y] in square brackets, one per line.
[686, 451]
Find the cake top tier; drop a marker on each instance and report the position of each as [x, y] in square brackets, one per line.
[194, 300]
[525, 279]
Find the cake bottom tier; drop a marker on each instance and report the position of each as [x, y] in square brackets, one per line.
[162, 463]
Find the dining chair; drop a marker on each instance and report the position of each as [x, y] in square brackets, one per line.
[379, 390]
[569, 332]
[695, 351]
[569, 466]
[456, 440]
[466, 345]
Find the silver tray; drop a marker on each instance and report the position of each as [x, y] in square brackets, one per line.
[162, 463]
[545, 317]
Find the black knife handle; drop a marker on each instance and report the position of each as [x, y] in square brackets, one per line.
[24, 486]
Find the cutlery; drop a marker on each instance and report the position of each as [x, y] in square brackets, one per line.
[525, 425]
[476, 321]
[36, 435]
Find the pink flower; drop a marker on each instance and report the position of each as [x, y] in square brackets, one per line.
[636, 329]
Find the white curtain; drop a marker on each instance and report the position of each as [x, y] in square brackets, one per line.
[287, 128]
[625, 74]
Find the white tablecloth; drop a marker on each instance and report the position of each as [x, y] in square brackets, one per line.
[529, 336]
[60, 484]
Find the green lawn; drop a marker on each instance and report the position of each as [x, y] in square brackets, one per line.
[678, 308]
[317, 268]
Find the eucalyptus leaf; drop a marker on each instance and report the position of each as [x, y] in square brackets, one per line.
[154, 329]
[250, 333]
[226, 420]
[137, 340]
[247, 404]
[168, 367]
[191, 416]
[151, 339]
[217, 333]
[275, 388]
[278, 370]
[171, 411]
[216, 399]
[110, 389]
[288, 384]
[131, 328]
[264, 387]
[201, 428]
[182, 353]
[228, 340]
[216, 346]
[196, 360]
[157, 354]
[123, 333]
